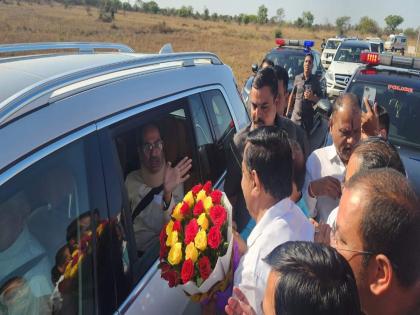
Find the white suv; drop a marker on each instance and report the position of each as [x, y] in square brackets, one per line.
[329, 51]
[68, 126]
[345, 63]
[396, 43]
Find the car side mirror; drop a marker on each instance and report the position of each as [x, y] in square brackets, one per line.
[254, 68]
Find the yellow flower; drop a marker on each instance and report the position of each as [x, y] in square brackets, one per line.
[203, 221]
[201, 195]
[172, 239]
[177, 215]
[169, 227]
[189, 199]
[175, 254]
[200, 240]
[191, 252]
[208, 204]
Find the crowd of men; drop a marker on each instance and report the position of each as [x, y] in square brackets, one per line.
[366, 259]
[357, 253]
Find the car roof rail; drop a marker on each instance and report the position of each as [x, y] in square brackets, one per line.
[80, 47]
[69, 83]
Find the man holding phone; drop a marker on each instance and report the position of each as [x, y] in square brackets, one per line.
[305, 94]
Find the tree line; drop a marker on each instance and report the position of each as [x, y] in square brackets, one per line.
[343, 25]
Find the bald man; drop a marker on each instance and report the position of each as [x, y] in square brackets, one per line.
[325, 167]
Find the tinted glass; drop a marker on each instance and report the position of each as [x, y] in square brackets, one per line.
[213, 112]
[349, 54]
[403, 106]
[292, 61]
[49, 222]
[332, 44]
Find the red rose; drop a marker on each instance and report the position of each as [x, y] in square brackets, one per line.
[162, 236]
[185, 209]
[187, 271]
[214, 237]
[164, 267]
[191, 231]
[196, 189]
[163, 251]
[170, 275]
[216, 196]
[204, 267]
[198, 208]
[207, 187]
[218, 215]
[177, 226]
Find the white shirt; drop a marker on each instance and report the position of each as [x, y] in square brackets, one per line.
[322, 162]
[148, 224]
[281, 223]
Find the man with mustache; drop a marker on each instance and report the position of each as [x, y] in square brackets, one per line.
[263, 109]
[325, 167]
[155, 188]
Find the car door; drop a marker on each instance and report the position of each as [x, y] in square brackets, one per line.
[55, 231]
[197, 124]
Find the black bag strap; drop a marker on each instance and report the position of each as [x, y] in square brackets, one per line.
[146, 201]
[23, 269]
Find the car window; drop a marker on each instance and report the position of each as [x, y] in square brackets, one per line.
[403, 106]
[292, 61]
[349, 54]
[52, 215]
[317, 64]
[332, 44]
[213, 153]
[144, 145]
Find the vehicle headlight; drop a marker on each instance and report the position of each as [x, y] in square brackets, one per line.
[329, 76]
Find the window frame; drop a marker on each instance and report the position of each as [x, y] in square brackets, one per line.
[107, 136]
[40, 153]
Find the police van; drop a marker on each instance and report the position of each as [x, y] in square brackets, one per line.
[396, 43]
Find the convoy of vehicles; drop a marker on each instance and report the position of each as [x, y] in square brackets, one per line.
[69, 123]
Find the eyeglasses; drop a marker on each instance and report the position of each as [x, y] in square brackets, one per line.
[148, 147]
[334, 244]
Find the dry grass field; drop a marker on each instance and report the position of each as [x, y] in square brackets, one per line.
[237, 45]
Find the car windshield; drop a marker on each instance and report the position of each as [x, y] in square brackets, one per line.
[390, 39]
[292, 61]
[403, 106]
[349, 54]
[332, 44]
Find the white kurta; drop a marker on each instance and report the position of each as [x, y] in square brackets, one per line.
[322, 162]
[281, 223]
[148, 224]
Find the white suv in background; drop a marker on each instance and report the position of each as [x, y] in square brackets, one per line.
[345, 63]
[396, 43]
[329, 51]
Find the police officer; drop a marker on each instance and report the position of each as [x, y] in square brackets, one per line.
[305, 94]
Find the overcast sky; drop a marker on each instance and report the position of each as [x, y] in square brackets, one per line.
[323, 10]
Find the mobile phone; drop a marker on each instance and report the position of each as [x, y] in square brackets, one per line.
[369, 93]
[308, 87]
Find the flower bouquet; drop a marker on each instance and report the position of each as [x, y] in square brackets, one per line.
[196, 244]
